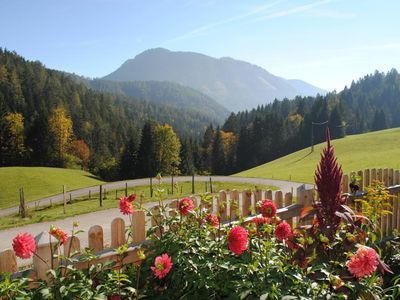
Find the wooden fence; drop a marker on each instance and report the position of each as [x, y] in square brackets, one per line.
[230, 206]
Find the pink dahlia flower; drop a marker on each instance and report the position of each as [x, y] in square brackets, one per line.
[283, 231]
[363, 262]
[237, 240]
[162, 266]
[185, 206]
[24, 245]
[268, 208]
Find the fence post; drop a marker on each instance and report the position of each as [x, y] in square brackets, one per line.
[246, 203]
[379, 175]
[151, 187]
[156, 219]
[22, 208]
[8, 262]
[391, 177]
[138, 226]
[126, 189]
[96, 240]
[234, 205]
[211, 187]
[278, 199]
[222, 206]
[257, 198]
[268, 194]
[90, 194]
[367, 178]
[64, 199]
[288, 201]
[373, 175]
[397, 177]
[117, 232]
[193, 191]
[361, 182]
[345, 183]
[172, 184]
[101, 195]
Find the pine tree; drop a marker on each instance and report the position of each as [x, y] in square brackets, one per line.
[218, 160]
[146, 163]
[129, 159]
[336, 124]
[187, 161]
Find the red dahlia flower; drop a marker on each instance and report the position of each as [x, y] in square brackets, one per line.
[60, 235]
[237, 240]
[363, 262]
[212, 220]
[185, 206]
[283, 231]
[162, 266]
[268, 208]
[125, 206]
[24, 245]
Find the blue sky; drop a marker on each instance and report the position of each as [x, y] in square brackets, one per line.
[325, 42]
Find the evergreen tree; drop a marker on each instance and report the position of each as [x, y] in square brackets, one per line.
[218, 163]
[379, 122]
[207, 148]
[232, 124]
[336, 124]
[129, 159]
[187, 161]
[146, 163]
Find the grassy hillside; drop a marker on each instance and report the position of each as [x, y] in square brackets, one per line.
[39, 182]
[377, 149]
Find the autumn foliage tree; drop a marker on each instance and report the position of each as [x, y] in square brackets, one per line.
[81, 150]
[60, 127]
[12, 147]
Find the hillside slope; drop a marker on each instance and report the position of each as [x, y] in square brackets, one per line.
[377, 149]
[166, 93]
[39, 182]
[234, 84]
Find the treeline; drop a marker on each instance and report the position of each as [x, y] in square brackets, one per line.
[32, 97]
[282, 127]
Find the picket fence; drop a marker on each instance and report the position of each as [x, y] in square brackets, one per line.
[230, 206]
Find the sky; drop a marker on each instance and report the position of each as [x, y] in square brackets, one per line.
[327, 43]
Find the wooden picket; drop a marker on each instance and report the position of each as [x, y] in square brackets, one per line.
[246, 203]
[222, 206]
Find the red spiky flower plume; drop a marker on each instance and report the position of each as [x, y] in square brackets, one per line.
[328, 179]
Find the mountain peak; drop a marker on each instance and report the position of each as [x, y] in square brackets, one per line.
[235, 84]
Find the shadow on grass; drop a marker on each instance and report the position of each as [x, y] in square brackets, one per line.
[94, 177]
[300, 159]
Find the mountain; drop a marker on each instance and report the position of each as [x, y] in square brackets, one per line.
[104, 121]
[166, 93]
[235, 84]
[306, 88]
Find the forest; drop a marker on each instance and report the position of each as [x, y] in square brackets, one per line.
[48, 119]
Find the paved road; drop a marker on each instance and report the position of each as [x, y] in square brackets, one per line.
[104, 218]
[284, 185]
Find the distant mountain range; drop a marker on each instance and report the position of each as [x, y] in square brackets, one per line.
[235, 84]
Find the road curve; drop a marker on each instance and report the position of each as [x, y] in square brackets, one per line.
[285, 186]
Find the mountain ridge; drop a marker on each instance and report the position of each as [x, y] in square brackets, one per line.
[235, 84]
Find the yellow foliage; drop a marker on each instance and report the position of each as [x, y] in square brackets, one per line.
[60, 126]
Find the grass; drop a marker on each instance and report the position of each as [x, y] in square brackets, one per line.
[39, 182]
[84, 205]
[379, 149]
